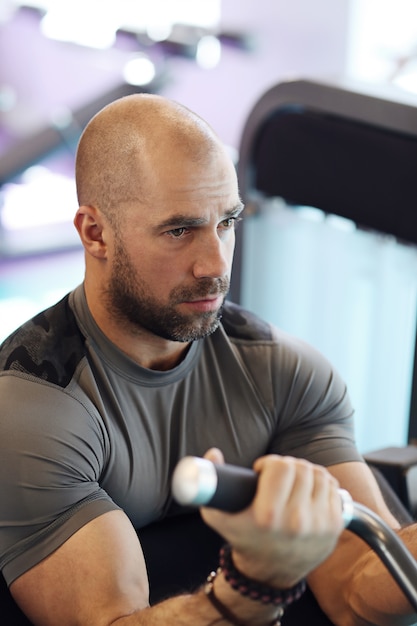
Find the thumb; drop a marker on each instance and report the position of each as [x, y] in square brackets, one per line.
[215, 456]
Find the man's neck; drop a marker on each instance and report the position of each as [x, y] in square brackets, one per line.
[151, 357]
[143, 347]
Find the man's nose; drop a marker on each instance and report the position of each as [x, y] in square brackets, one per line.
[213, 258]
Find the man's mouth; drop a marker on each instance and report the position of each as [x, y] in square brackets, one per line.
[205, 303]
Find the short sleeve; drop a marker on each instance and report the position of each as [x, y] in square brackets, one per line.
[315, 417]
[52, 451]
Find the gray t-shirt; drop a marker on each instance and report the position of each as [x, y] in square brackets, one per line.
[84, 429]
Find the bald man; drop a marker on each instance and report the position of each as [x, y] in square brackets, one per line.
[146, 362]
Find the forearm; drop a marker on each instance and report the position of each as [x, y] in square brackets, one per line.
[375, 596]
[197, 610]
[355, 588]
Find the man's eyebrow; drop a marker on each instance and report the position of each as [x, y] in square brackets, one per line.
[179, 220]
[237, 210]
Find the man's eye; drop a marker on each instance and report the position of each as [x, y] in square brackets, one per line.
[230, 222]
[177, 233]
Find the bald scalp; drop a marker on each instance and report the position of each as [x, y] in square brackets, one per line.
[124, 140]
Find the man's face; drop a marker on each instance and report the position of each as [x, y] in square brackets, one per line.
[172, 256]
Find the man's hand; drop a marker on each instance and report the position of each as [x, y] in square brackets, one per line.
[292, 525]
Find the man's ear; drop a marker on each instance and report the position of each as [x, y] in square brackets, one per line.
[91, 225]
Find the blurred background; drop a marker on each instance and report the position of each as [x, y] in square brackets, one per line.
[62, 60]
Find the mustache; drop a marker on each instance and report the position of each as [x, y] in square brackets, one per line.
[205, 287]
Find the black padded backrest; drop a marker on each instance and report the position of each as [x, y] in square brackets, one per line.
[342, 167]
[344, 151]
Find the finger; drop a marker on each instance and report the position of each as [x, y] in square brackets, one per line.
[215, 456]
[315, 492]
[275, 485]
[294, 495]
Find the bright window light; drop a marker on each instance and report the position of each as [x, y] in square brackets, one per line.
[144, 15]
[88, 23]
[41, 200]
[94, 23]
[381, 33]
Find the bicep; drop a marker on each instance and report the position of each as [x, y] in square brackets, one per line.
[97, 576]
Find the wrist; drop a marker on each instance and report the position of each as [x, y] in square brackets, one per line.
[244, 601]
[254, 588]
[251, 567]
[237, 609]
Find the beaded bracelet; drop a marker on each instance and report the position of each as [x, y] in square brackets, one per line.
[254, 589]
[227, 613]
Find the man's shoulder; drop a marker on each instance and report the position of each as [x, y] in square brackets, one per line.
[239, 323]
[49, 346]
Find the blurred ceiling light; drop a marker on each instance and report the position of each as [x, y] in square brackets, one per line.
[139, 71]
[83, 23]
[138, 14]
[149, 17]
[159, 31]
[42, 199]
[208, 52]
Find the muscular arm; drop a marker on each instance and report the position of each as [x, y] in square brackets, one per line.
[353, 586]
[98, 576]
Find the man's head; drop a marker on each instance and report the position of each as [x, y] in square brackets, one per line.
[158, 201]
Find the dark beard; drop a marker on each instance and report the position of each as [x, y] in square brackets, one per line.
[132, 306]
